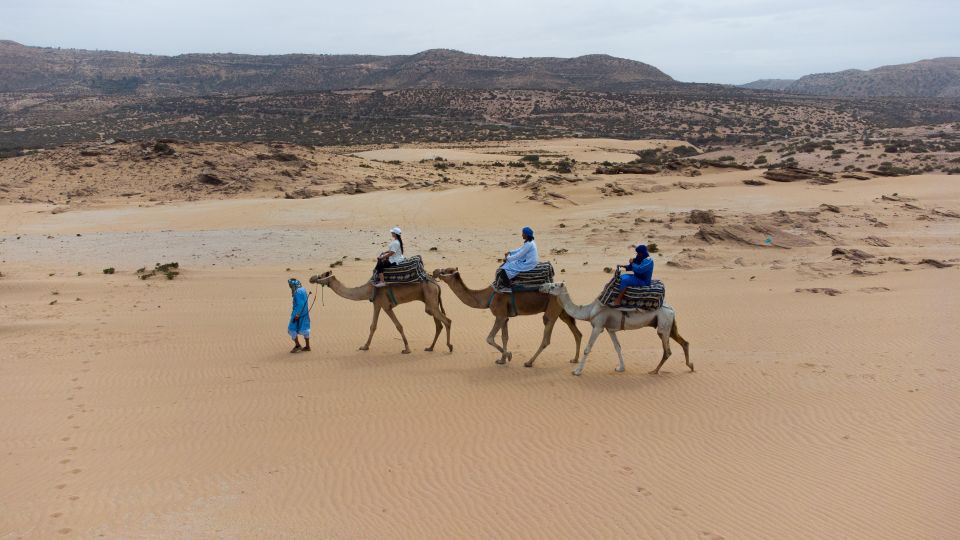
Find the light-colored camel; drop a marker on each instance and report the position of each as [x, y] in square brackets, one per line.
[427, 292]
[503, 307]
[613, 320]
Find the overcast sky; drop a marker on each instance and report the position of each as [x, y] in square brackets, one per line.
[725, 41]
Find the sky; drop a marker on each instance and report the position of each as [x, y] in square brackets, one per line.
[718, 41]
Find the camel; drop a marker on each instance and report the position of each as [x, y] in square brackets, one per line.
[501, 305]
[384, 298]
[613, 320]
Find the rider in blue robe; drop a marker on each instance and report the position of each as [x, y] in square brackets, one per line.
[641, 267]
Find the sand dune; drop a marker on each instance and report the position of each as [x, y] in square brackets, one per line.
[163, 408]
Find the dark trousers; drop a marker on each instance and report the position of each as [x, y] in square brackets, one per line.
[502, 279]
[383, 263]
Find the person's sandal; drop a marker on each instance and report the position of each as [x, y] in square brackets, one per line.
[296, 349]
[305, 349]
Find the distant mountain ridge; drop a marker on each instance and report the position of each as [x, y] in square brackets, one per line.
[937, 77]
[82, 72]
[769, 84]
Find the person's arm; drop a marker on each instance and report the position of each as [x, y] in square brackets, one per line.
[299, 303]
[645, 265]
[520, 252]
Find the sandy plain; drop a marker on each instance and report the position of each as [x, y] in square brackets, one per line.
[132, 408]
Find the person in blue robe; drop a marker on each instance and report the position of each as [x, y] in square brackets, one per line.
[299, 316]
[641, 267]
[522, 259]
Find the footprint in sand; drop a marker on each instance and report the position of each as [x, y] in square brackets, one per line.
[679, 511]
[64, 461]
[56, 514]
[711, 536]
[65, 531]
[643, 491]
[76, 471]
[60, 486]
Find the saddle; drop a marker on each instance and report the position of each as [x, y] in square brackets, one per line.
[647, 298]
[409, 271]
[530, 280]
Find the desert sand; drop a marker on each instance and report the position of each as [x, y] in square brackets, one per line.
[824, 404]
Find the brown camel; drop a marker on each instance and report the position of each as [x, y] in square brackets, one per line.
[386, 298]
[503, 307]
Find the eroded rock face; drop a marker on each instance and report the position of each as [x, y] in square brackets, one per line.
[628, 168]
[755, 234]
[795, 174]
[701, 217]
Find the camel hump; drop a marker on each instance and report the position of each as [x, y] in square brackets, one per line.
[411, 270]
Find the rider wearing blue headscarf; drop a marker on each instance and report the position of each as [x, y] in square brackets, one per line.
[299, 316]
[642, 268]
[522, 259]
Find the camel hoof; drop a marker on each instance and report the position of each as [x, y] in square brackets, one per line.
[654, 372]
[450, 347]
[576, 373]
[364, 348]
[574, 361]
[429, 349]
[502, 361]
[691, 368]
[405, 351]
[528, 364]
[619, 369]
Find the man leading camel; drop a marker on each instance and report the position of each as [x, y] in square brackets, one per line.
[522, 259]
[299, 317]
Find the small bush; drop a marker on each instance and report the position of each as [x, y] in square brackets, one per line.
[108, 270]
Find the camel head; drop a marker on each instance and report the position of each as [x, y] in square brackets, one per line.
[553, 288]
[322, 279]
[445, 273]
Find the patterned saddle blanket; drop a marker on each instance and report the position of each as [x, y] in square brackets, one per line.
[647, 298]
[409, 271]
[529, 280]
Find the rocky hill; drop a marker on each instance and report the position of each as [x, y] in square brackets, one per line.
[939, 77]
[769, 84]
[75, 72]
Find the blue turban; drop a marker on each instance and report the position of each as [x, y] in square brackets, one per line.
[642, 251]
[293, 283]
[528, 232]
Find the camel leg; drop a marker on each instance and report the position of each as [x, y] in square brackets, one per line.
[436, 336]
[373, 327]
[441, 321]
[497, 324]
[616, 345]
[577, 336]
[597, 330]
[547, 332]
[396, 322]
[504, 336]
[675, 334]
[665, 339]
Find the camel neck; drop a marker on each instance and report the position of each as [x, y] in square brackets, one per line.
[474, 298]
[363, 292]
[581, 313]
